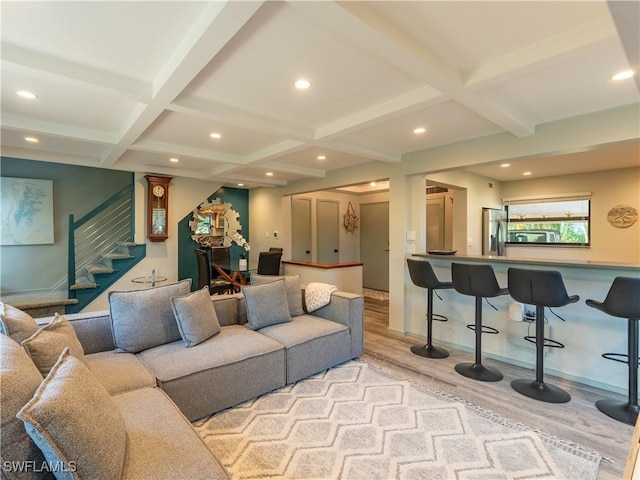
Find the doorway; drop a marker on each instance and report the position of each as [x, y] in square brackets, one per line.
[374, 245]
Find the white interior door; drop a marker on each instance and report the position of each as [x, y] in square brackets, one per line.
[327, 228]
[301, 229]
[374, 245]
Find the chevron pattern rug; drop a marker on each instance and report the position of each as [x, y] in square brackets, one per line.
[359, 422]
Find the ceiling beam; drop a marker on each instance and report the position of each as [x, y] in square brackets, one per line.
[171, 150]
[19, 124]
[219, 22]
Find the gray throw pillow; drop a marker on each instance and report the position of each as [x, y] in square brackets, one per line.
[266, 304]
[45, 346]
[293, 287]
[196, 317]
[15, 323]
[76, 424]
[142, 319]
[20, 379]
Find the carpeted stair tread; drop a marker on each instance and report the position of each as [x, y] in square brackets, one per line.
[83, 285]
[118, 256]
[100, 269]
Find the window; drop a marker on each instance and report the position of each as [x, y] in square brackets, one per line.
[558, 220]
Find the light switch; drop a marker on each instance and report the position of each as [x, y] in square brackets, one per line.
[411, 236]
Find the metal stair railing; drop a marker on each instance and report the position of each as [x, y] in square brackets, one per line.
[101, 232]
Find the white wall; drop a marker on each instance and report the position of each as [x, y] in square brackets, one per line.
[608, 188]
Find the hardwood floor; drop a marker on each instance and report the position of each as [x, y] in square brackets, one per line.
[578, 421]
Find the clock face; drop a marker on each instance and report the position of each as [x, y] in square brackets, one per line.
[622, 216]
[158, 191]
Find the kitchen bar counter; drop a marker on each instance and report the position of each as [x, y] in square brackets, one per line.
[346, 276]
[536, 261]
[585, 331]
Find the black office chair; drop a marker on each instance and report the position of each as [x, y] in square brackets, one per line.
[422, 275]
[478, 281]
[275, 249]
[216, 285]
[542, 288]
[623, 301]
[269, 263]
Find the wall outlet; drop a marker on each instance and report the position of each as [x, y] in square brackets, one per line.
[411, 236]
[275, 234]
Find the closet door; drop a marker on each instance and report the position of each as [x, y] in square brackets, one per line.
[374, 245]
[327, 231]
[301, 229]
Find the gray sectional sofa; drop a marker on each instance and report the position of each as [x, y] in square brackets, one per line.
[157, 372]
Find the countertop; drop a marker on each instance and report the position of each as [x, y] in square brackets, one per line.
[534, 261]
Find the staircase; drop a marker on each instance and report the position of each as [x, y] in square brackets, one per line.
[101, 248]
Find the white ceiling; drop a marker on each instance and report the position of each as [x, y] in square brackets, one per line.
[128, 85]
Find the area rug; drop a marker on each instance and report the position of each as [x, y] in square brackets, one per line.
[359, 422]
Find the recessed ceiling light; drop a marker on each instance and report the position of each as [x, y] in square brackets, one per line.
[269, 174]
[526, 173]
[32, 139]
[420, 130]
[302, 84]
[174, 160]
[505, 165]
[26, 94]
[241, 184]
[372, 184]
[623, 75]
[215, 135]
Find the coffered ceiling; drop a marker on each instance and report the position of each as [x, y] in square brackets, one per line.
[130, 85]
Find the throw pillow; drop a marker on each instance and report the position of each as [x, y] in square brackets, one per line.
[75, 423]
[20, 379]
[292, 285]
[15, 323]
[142, 319]
[45, 346]
[266, 304]
[196, 316]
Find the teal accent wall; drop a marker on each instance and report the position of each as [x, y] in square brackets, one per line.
[76, 190]
[187, 266]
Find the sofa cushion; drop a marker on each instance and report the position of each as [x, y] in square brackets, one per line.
[161, 443]
[230, 309]
[15, 323]
[312, 344]
[293, 287]
[196, 316]
[45, 346]
[266, 304]
[119, 372]
[75, 423]
[20, 379]
[228, 368]
[142, 319]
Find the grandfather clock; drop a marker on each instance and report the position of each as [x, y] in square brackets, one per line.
[157, 207]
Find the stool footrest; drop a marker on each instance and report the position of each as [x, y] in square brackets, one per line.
[484, 329]
[612, 356]
[438, 317]
[546, 341]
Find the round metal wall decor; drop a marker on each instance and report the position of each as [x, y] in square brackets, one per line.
[622, 216]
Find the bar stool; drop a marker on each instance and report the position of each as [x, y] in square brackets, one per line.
[623, 300]
[422, 275]
[542, 288]
[478, 281]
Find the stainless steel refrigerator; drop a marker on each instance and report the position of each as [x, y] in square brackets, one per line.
[494, 231]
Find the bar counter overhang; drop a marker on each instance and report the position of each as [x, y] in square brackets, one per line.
[586, 332]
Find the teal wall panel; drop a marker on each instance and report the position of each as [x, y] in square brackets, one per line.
[76, 190]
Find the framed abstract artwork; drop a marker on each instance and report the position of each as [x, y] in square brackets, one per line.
[26, 211]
